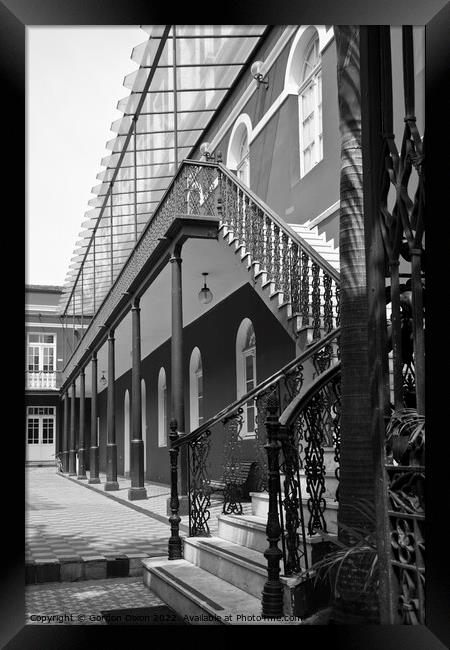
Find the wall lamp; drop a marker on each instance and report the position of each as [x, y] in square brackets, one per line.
[204, 150]
[103, 379]
[205, 295]
[258, 74]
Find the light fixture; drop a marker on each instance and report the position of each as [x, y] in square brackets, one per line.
[205, 295]
[204, 150]
[103, 379]
[258, 74]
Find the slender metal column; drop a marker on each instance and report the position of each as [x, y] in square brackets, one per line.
[137, 490]
[272, 595]
[177, 392]
[111, 446]
[175, 546]
[65, 441]
[81, 444]
[93, 465]
[72, 448]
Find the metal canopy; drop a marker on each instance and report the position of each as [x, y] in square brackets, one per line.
[184, 73]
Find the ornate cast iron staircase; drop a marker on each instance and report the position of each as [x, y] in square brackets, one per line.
[226, 564]
[223, 571]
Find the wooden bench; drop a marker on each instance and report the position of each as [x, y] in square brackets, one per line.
[245, 478]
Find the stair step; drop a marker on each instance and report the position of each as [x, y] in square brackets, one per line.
[250, 531]
[243, 567]
[260, 507]
[193, 592]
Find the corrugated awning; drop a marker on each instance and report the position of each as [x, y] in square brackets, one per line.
[184, 74]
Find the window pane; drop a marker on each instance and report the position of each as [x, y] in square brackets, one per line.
[33, 431]
[250, 417]
[34, 338]
[249, 368]
[48, 338]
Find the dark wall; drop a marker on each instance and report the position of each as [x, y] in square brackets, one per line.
[215, 335]
[275, 154]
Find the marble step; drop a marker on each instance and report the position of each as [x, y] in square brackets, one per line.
[260, 506]
[203, 598]
[250, 531]
[242, 567]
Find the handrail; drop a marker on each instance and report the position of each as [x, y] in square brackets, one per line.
[228, 410]
[285, 227]
[300, 401]
[134, 252]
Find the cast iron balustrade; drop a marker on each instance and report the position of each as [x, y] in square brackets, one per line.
[299, 449]
[307, 281]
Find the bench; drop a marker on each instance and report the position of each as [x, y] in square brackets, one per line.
[246, 478]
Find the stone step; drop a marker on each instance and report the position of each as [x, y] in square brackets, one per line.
[250, 531]
[260, 507]
[194, 592]
[242, 567]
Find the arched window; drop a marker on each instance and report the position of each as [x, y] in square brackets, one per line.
[246, 372]
[310, 108]
[238, 149]
[162, 409]
[126, 433]
[144, 419]
[196, 389]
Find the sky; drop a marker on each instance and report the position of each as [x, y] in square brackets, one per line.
[74, 79]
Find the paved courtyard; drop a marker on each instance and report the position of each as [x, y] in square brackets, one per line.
[81, 603]
[66, 519]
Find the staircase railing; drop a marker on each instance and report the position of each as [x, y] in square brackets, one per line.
[225, 428]
[307, 281]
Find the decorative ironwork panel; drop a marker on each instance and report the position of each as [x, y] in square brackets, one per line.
[261, 438]
[232, 504]
[315, 300]
[276, 267]
[294, 530]
[199, 486]
[407, 520]
[295, 278]
[304, 292]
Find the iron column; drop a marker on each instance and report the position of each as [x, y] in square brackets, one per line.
[81, 444]
[93, 473]
[137, 489]
[72, 451]
[65, 442]
[111, 446]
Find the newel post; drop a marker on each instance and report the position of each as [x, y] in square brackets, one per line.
[272, 595]
[175, 549]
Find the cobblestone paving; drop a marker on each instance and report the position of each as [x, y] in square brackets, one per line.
[80, 603]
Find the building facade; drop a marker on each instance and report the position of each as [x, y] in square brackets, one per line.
[209, 273]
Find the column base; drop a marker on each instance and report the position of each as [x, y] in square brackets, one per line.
[94, 480]
[82, 478]
[136, 493]
[183, 508]
[72, 474]
[111, 486]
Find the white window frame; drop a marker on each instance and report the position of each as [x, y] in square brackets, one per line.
[241, 373]
[195, 373]
[33, 414]
[162, 408]
[313, 80]
[42, 346]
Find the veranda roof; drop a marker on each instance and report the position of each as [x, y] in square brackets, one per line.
[184, 73]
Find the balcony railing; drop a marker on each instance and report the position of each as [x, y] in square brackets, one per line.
[41, 379]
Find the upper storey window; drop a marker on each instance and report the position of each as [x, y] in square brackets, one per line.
[310, 109]
[238, 156]
[41, 352]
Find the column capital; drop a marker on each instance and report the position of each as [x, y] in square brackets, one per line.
[135, 303]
